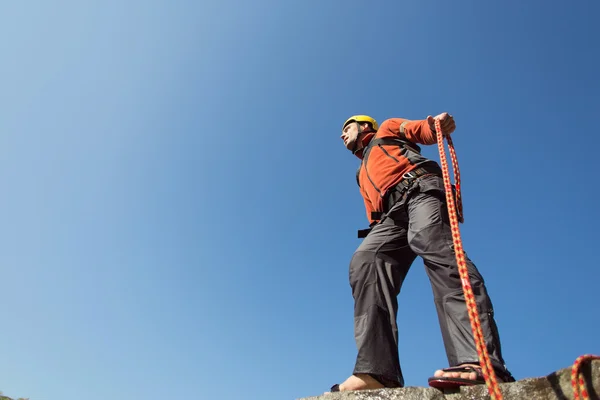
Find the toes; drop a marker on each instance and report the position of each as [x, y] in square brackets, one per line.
[449, 374]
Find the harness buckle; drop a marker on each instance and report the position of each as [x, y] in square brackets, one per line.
[409, 175]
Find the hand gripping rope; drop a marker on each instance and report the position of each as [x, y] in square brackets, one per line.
[456, 215]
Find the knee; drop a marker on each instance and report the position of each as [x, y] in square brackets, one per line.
[362, 268]
[432, 242]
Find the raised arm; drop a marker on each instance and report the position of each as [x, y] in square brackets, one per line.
[418, 131]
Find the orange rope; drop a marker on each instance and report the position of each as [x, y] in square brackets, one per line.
[455, 212]
[456, 171]
[455, 217]
[577, 380]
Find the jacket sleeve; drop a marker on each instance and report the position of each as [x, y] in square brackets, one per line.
[417, 131]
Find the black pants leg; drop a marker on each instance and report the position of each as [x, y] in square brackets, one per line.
[430, 237]
[377, 270]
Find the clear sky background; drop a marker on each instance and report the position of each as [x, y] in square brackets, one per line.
[178, 211]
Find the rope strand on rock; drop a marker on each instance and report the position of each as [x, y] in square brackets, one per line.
[577, 380]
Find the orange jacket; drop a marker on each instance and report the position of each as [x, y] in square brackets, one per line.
[386, 164]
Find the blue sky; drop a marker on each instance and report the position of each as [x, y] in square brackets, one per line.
[178, 211]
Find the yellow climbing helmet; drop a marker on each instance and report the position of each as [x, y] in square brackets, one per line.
[361, 118]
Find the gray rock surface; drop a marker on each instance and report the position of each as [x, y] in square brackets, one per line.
[555, 386]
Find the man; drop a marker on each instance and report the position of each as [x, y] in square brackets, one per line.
[405, 201]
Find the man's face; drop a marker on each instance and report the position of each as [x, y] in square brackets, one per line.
[350, 135]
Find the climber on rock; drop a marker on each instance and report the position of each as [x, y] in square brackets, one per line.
[404, 198]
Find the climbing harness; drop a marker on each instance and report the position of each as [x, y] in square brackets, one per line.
[398, 191]
[456, 216]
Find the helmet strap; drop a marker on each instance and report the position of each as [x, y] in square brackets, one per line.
[361, 130]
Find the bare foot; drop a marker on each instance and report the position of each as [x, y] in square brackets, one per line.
[359, 382]
[461, 375]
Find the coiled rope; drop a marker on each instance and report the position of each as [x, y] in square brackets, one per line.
[456, 215]
[455, 212]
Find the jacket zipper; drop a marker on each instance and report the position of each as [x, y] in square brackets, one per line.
[364, 164]
[371, 180]
[388, 154]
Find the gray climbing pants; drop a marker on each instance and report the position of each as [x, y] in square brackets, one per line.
[416, 226]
